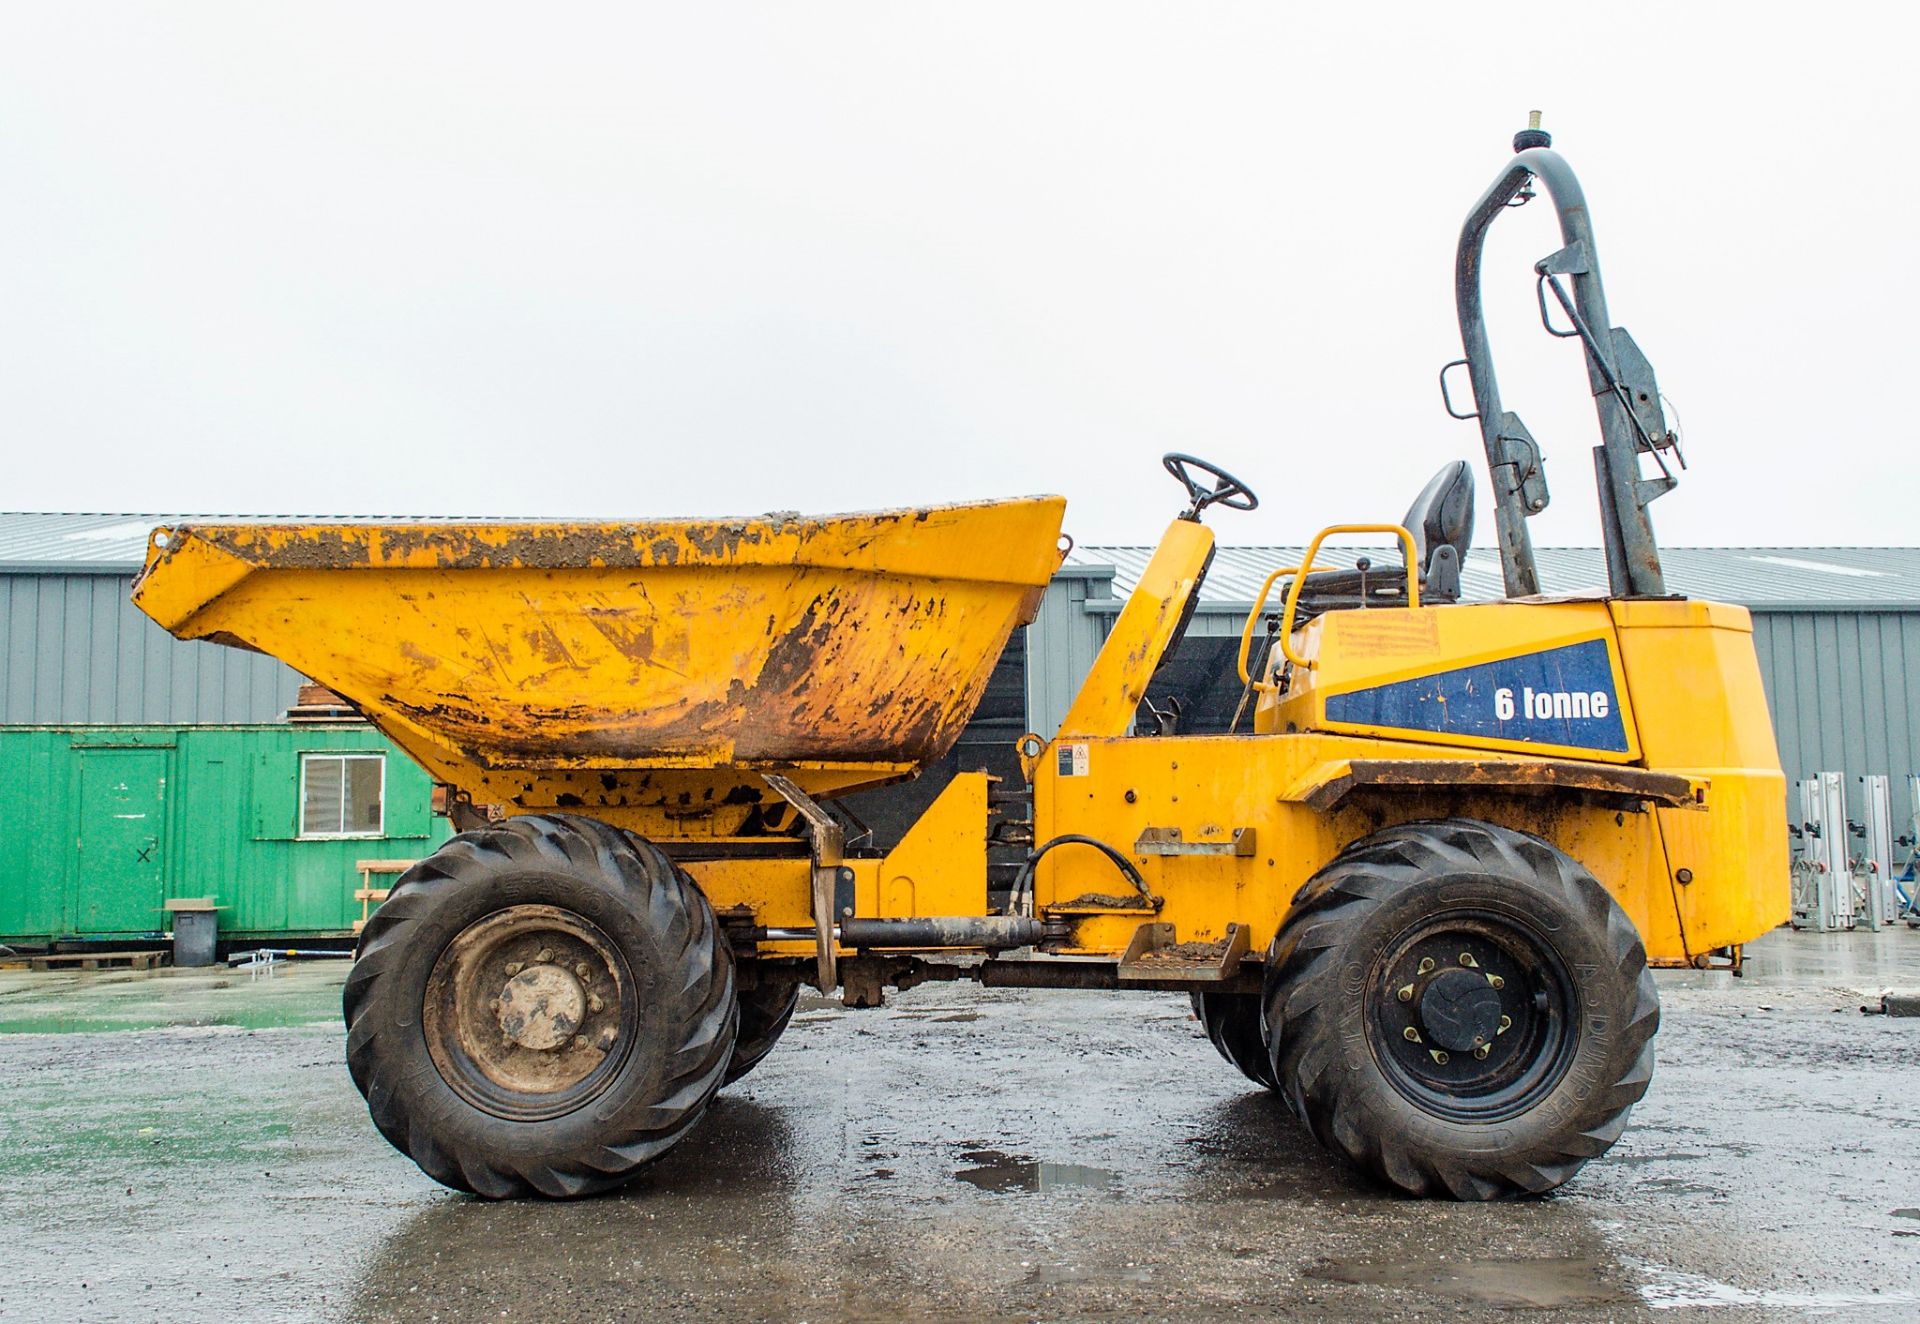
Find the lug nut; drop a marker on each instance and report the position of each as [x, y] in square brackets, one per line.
[1496, 981]
[1466, 959]
[1406, 993]
[583, 970]
[595, 1002]
[514, 968]
[544, 955]
[1426, 966]
[1438, 1056]
[1506, 1023]
[1411, 1035]
[1482, 1051]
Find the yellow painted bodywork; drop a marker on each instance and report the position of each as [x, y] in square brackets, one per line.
[1690, 703]
[938, 868]
[642, 673]
[1354, 650]
[1111, 693]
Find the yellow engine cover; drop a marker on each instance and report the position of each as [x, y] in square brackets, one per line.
[1597, 696]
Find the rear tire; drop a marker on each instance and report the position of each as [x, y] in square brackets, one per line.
[1461, 1010]
[1232, 1022]
[542, 1006]
[765, 1010]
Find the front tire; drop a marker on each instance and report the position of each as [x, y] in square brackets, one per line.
[542, 1006]
[1461, 1010]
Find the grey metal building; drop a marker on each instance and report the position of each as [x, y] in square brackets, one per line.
[1837, 629]
[74, 650]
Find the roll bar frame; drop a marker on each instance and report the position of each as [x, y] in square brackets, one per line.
[1626, 397]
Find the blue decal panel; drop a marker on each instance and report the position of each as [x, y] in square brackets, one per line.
[1561, 696]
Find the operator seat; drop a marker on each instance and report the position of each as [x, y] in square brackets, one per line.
[1441, 522]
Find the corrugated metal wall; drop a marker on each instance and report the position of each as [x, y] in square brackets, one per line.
[1061, 644]
[74, 649]
[1844, 687]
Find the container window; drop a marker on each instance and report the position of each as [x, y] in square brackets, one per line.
[342, 795]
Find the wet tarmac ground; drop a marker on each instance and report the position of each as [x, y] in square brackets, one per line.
[187, 1144]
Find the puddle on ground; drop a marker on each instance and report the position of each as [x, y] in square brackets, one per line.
[1670, 1289]
[1055, 1275]
[255, 1018]
[1667, 1156]
[100, 1002]
[1679, 1186]
[1539, 1284]
[995, 1171]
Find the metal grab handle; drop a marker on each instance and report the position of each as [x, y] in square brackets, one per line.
[1246, 631]
[1446, 395]
[1579, 332]
[1313, 550]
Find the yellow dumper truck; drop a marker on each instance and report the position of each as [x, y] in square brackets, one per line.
[1419, 897]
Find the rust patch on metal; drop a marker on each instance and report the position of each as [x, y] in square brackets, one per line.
[795, 653]
[1609, 786]
[496, 546]
[1102, 901]
[1188, 951]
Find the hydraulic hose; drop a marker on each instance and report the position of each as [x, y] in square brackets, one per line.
[1023, 881]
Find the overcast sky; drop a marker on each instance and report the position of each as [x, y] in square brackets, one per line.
[713, 259]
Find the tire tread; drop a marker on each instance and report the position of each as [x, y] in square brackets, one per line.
[701, 987]
[1302, 998]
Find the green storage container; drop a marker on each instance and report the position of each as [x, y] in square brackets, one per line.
[103, 824]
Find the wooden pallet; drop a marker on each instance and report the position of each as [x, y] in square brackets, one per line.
[367, 894]
[85, 961]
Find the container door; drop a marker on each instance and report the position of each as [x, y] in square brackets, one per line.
[121, 878]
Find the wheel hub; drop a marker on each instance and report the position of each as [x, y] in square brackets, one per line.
[1459, 1010]
[541, 1007]
[1471, 1015]
[530, 1012]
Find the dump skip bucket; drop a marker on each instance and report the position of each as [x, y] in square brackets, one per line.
[856, 642]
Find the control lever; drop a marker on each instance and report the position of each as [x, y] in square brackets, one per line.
[1167, 719]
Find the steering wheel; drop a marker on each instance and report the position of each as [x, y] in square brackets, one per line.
[1226, 491]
